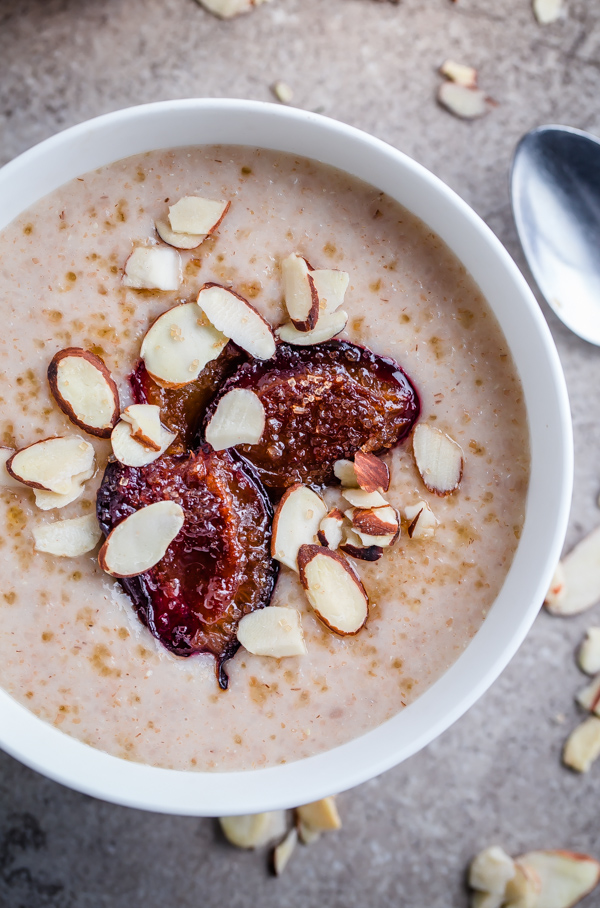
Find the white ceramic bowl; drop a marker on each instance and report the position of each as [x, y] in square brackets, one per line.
[174, 123]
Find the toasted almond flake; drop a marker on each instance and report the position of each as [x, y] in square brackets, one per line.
[296, 522]
[372, 474]
[48, 501]
[358, 498]
[133, 453]
[439, 459]
[6, 480]
[178, 240]
[196, 215]
[588, 657]
[557, 591]
[236, 318]
[565, 876]
[580, 577]
[583, 745]
[153, 268]
[283, 852]
[331, 289]
[177, 347]
[381, 521]
[422, 522]
[140, 541]
[68, 538]
[548, 11]
[253, 830]
[52, 463]
[466, 103]
[459, 73]
[320, 816]
[272, 631]
[299, 293]
[524, 888]
[84, 390]
[283, 92]
[333, 589]
[344, 471]
[145, 424]
[329, 325]
[491, 870]
[239, 419]
[330, 531]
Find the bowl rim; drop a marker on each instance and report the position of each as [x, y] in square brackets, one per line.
[64, 759]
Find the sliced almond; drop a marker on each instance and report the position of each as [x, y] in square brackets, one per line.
[548, 11]
[358, 498]
[588, 657]
[331, 288]
[557, 592]
[236, 318]
[354, 546]
[465, 103]
[422, 522]
[439, 459]
[52, 463]
[376, 521]
[486, 900]
[196, 215]
[299, 293]
[283, 852]
[145, 424]
[84, 390]
[582, 747]
[283, 92]
[459, 73]
[333, 589]
[239, 419]
[524, 888]
[372, 474]
[133, 453]
[344, 471]
[296, 523]
[565, 876]
[6, 480]
[330, 531]
[179, 344]
[48, 501]
[253, 830]
[272, 631]
[153, 268]
[329, 325]
[141, 540]
[68, 538]
[491, 870]
[178, 240]
[320, 816]
[589, 697]
[581, 578]
[307, 835]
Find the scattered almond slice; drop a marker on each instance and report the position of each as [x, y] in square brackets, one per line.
[582, 747]
[320, 816]
[299, 293]
[330, 531]
[48, 501]
[236, 318]
[283, 92]
[565, 876]
[557, 591]
[133, 453]
[283, 852]
[439, 459]
[329, 325]
[588, 657]
[227, 9]
[307, 835]
[580, 577]
[491, 870]
[272, 631]
[296, 522]
[239, 419]
[459, 73]
[486, 900]
[463, 102]
[178, 240]
[153, 268]
[179, 344]
[380, 522]
[354, 546]
[524, 888]
[358, 498]
[68, 538]
[422, 522]
[145, 424]
[253, 830]
[333, 589]
[197, 216]
[84, 390]
[52, 463]
[141, 540]
[331, 289]
[6, 480]
[548, 11]
[589, 697]
[345, 471]
[372, 474]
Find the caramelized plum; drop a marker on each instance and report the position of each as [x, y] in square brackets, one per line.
[322, 404]
[219, 567]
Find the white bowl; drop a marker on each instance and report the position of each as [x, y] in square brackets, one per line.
[174, 123]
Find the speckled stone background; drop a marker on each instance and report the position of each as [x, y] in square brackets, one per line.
[495, 776]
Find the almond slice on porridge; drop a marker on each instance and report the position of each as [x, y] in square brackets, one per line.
[237, 319]
[196, 215]
[333, 589]
[328, 326]
[381, 521]
[422, 522]
[372, 474]
[133, 453]
[358, 498]
[238, 419]
[330, 531]
[48, 501]
[145, 424]
[299, 293]
[177, 240]
[273, 631]
[52, 463]
[331, 289]
[153, 268]
[296, 522]
[141, 540]
[354, 546]
[84, 390]
[6, 480]
[68, 538]
[345, 471]
[439, 459]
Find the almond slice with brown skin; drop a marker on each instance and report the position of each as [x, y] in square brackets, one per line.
[381, 521]
[330, 532]
[284, 851]
[253, 830]
[465, 103]
[299, 293]
[6, 480]
[68, 538]
[459, 73]
[178, 240]
[153, 268]
[565, 876]
[577, 579]
[237, 319]
[344, 471]
[296, 522]
[52, 463]
[372, 474]
[328, 326]
[320, 816]
[354, 546]
[273, 631]
[333, 589]
[439, 459]
[358, 498]
[145, 424]
[331, 289]
[422, 522]
[239, 419]
[141, 540]
[588, 657]
[179, 344]
[197, 216]
[134, 453]
[84, 390]
[491, 870]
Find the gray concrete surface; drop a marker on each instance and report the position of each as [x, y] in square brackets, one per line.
[495, 776]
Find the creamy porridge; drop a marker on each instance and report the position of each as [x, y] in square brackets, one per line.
[71, 647]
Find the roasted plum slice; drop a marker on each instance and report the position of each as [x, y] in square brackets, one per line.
[218, 569]
[322, 403]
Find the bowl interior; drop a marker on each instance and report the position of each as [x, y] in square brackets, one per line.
[170, 124]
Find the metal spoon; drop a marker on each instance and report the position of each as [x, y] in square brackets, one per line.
[555, 187]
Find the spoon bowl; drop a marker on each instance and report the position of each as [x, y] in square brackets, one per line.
[555, 187]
